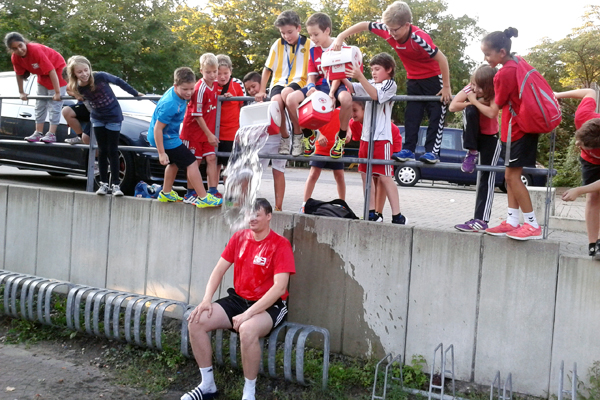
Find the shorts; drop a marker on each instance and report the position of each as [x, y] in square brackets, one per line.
[180, 156]
[324, 87]
[523, 151]
[272, 147]
[111, 126]
[275, 90]
[327, 165]
[225, 146]
[382, 151]
[590, 173]
[81, 112]
[236, 305]
[199, 149]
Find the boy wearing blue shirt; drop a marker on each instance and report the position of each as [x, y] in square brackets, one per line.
[164, 135]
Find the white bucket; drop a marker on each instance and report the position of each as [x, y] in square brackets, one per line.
[266, 113]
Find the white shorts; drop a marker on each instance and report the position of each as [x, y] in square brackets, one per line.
[272, 147]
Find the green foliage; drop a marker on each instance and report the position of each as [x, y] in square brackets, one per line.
[591, 392]
[414, 374]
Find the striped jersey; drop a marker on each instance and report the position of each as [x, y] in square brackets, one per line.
[416, 53]
[383, 113]
[289, 63]
[230, 110]
[202, 104]
[314, 64]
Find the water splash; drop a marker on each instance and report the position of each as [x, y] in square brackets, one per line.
[244, 173]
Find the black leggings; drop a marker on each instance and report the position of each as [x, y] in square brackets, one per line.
[108, 151]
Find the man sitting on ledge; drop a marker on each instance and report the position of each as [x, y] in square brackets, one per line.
[255, 306]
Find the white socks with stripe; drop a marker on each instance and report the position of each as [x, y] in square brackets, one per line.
[208, 380]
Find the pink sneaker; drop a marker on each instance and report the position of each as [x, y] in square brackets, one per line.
[526, 232]
[501, 229]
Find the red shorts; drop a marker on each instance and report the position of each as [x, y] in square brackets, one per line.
[382, 151]
[199, 149]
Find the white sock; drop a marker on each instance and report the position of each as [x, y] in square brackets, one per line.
[249, 389]
[208, 380]
[530, 219]
[512, 216]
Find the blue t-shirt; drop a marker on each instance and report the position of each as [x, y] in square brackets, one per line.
[170, 110]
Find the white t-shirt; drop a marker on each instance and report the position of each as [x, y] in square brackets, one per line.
[383, 112]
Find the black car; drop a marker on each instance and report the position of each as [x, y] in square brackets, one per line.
[18, 121]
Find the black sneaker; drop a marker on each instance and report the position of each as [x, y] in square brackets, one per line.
[373, 215]
[399, 219]
[379, 217]
[592, 249]
[596, 254]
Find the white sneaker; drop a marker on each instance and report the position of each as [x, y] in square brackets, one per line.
[35, 137]
[103, 189]
[284, 146]
[116, 190]
[75, 140]
[297, 146]
[49, 138]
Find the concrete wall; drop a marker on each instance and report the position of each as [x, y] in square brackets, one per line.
[379, 288]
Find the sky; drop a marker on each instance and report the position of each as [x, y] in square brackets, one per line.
[535, 19]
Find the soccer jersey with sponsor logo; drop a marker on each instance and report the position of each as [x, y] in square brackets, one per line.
[230, 110]
[585, 112]
[257, 262]
[289, 63]
[40, 60]
[202, 104]
[416, 53]
[383, 112]
[314, 64]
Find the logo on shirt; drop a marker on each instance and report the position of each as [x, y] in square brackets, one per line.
[258, 260]
[35, 65]
[210, 108]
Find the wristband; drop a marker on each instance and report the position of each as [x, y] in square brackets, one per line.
[310, 86]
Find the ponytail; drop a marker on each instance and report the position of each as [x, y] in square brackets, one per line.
[501, 40]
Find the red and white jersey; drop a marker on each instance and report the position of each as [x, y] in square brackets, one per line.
[257, 263]
[383, 114]
[230, 110]
[585, 112]
[202, 104]
[416, 53]
[314, 63]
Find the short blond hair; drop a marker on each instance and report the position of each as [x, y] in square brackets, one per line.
[208, 60]
[224, 61]
[397, 13]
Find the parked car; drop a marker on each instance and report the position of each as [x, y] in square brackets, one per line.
[17, 121]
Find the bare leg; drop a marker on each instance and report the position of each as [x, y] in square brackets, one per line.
[279, 187]
[199, 334]
[250, 331]
[170, 174]
[72, 120]
[592, 216]
[518, 196]
[380, 195]
[391, 190]
[345, 99]
[311, 181]
[292, 102]
[195, 180]
[283, 128]
[39, 127]
[211, 171]
[372, 196]
[338, 175]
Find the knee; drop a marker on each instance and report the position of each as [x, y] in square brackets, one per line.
[211, 159]
[248, 335]
[345, 99]
[592, 199]
[68, 112]
[471, 112]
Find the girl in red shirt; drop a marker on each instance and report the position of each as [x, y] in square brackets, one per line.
[33, 58]
[523, 146]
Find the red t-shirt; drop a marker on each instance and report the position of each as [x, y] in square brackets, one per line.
[202, 104]
[329, 130]
[230, 110]
[356, 128]
[40, 60]
[256, 263]
[416, 53]
[585, 112]
[506, 89]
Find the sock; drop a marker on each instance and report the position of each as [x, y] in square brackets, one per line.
[307, 133]
[208, 380]
[473, 152]
[342, 134]
[512, 216]
[303, 203]
[530, 219]
[212, 190]
[249, 389]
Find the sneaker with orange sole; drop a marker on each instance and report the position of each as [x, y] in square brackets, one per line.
[502, 229]
[526, 232]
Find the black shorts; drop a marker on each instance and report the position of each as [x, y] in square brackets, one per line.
[590, 173]
[327, 165]
[275, 90]
[81, 112]
[236, 305]
[523, 151]
[225, 146]
[180, 156]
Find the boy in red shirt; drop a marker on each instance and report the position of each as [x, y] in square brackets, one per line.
[197, 131]
[427, 71]
[587, 137]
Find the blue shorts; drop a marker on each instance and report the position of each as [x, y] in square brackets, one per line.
[324, 87]
[111, 126]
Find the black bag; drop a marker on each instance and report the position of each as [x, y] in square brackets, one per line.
[334, 208]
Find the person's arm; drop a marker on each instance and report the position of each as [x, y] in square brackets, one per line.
[211, 287]
[354, 73]
[163, 158]
[266, 74]
[490, 111]
[353, 30]
[212, 139]
[312, 80]
[459, 102]
[123, 85]
[22, 93]
[573, 194]
[280, 283]
[576, 94]
[446, 91]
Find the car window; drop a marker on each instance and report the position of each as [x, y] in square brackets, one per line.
[448, 140]
[9, 88]
[144, 107]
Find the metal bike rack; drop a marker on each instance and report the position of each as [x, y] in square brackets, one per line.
[507, 386]
[561, 379]
[390, 359]
[443, 370]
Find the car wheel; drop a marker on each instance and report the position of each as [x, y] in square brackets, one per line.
[526, 179]
[406, 176]
[126, 173]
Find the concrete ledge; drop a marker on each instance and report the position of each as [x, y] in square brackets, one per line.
[538, 200]
[3, 207]
[22, 208]
[568, 224]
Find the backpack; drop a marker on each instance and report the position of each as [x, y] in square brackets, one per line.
[334, 208]
[147, 192]
[540, 111]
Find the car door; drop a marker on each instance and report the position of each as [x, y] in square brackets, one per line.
[10, 107]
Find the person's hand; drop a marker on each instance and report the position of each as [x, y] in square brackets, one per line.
[260, 96]
[239, 320]
[332, 97]
[228, 95]
[471, 97]
[78, 98]
[322, 140]
[311, 91]
[56, 97]
[570, 195]
[140, 95]
[163, 158]
[200, 308]
[337, 44]
[212, 140]
[23, 96]
[446, 94]
[353, 73]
